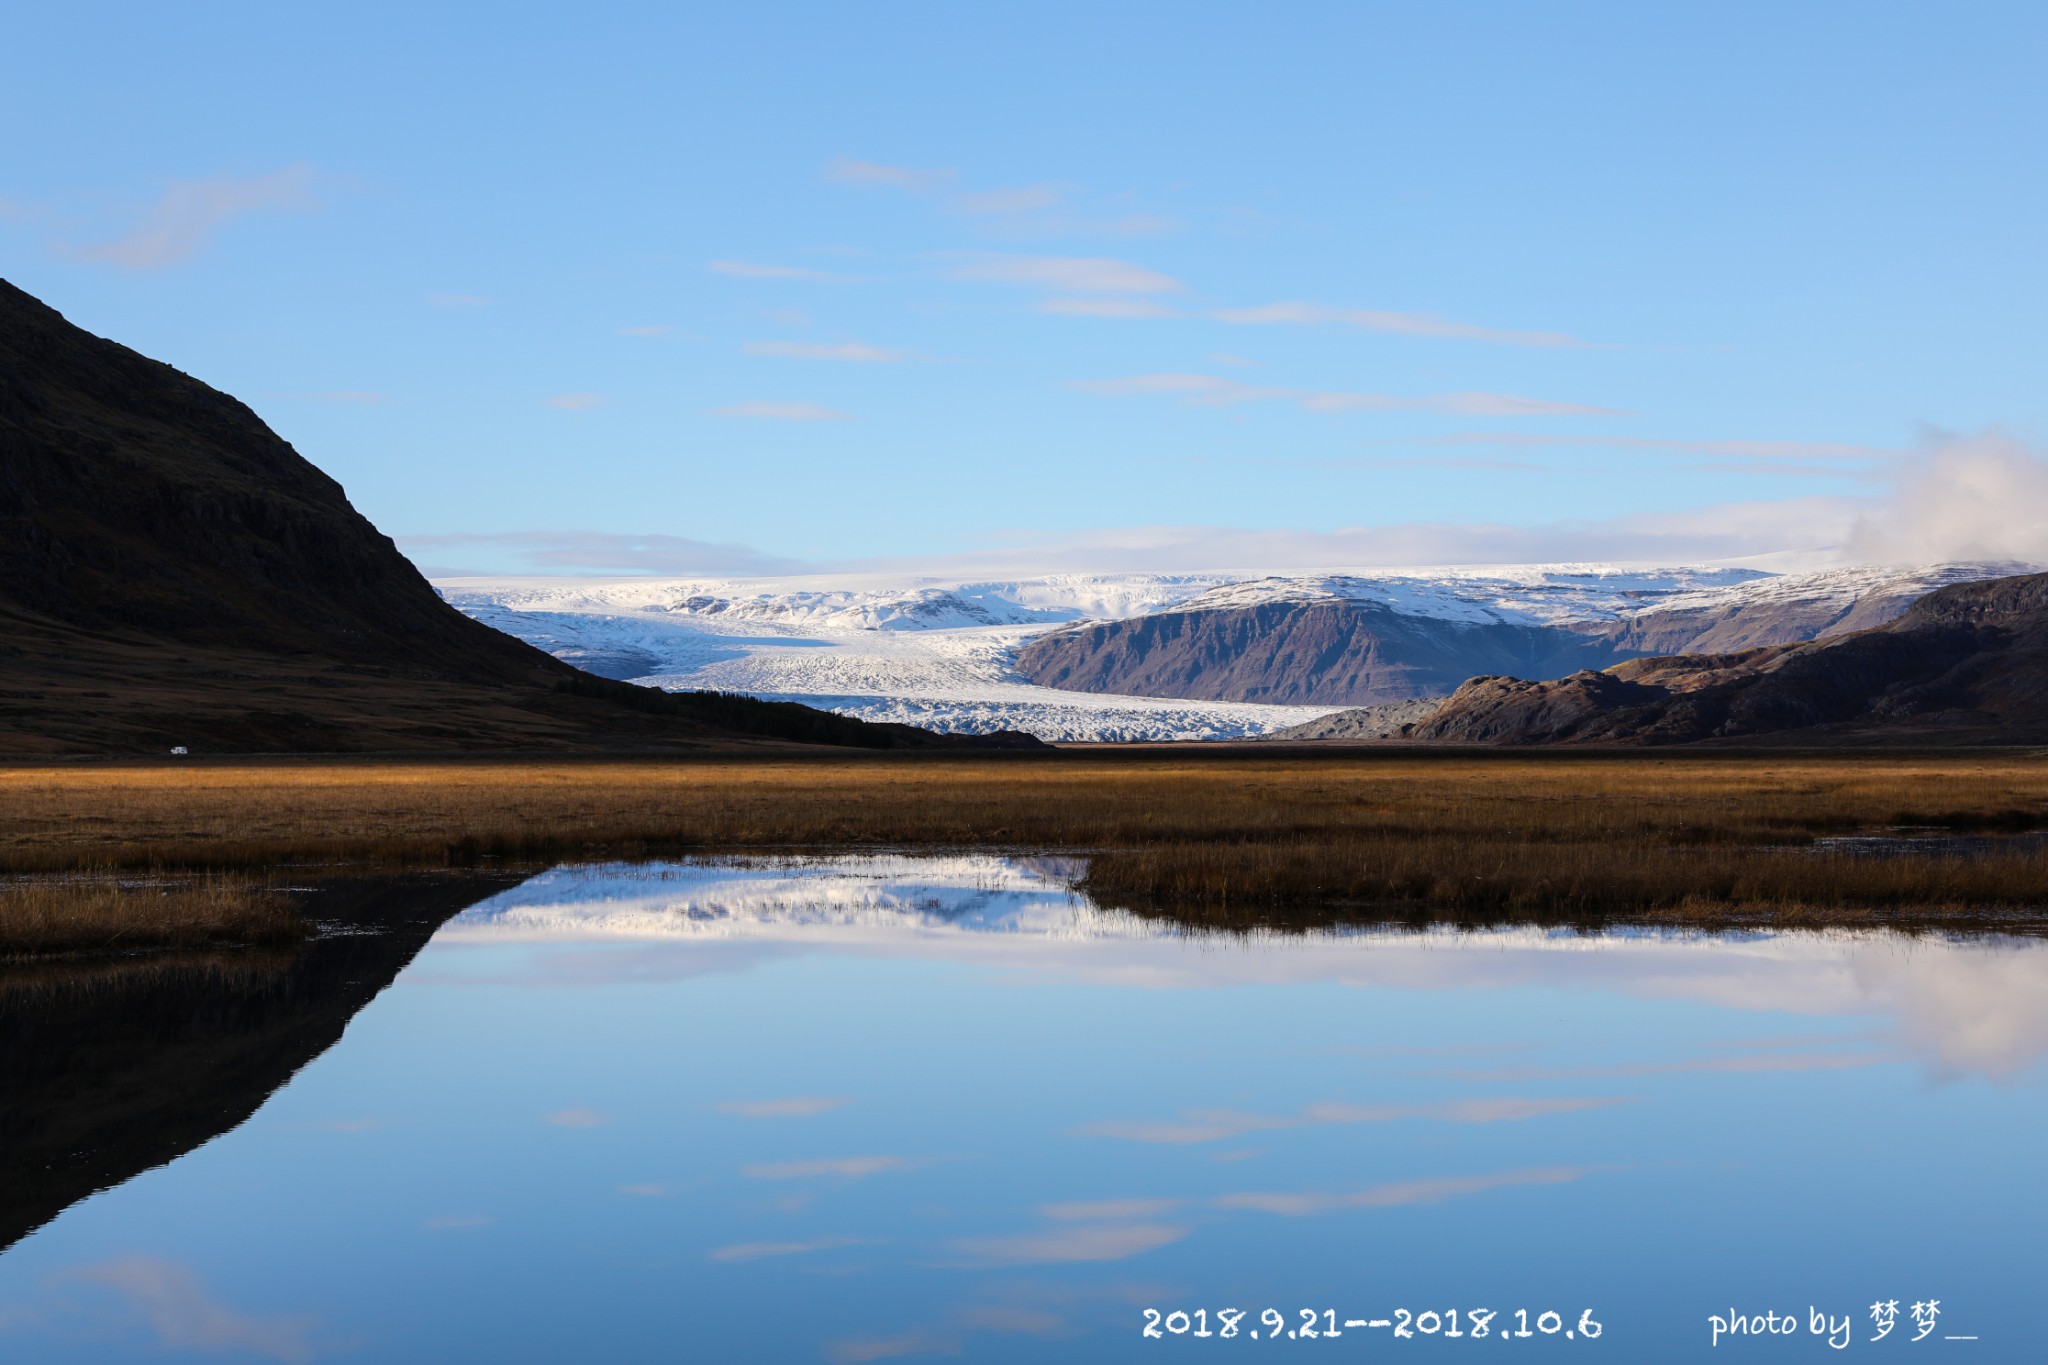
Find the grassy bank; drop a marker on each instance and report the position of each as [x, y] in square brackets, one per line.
[1510, 834]
[102, 915]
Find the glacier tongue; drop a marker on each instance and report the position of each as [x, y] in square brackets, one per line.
[936, 652]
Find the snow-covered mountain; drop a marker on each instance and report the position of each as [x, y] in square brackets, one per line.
[938, 652]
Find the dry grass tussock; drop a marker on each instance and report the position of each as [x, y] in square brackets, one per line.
[102, 914]
[1568, 833]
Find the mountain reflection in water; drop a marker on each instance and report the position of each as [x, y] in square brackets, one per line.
[885, 1107]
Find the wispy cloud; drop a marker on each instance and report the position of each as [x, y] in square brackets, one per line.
[755, 1251]
[185, 1317]
[1066, 274]
[848, 170]
[1215, 390]
[1402, 1194]
[751, 270]
[1220, 1125]
[1384, 320]
[575, 552]
[1730, 530]
[1017, 199]
[1107, 1242]
[189, 212]
[784, 412]
[457, 1222]
[854, 352]
[1742, 1065]
[795, 1107]
[578, 402]
[1041, 209]
[1110, 1210]
[647, 329]
[1802, 452]
[920, 1341]
[1107, 308]
[358, 397]
[842, 1167]
[578, 1118]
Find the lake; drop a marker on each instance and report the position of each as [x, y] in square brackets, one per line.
[900, 1107]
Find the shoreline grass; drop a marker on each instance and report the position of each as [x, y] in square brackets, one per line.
[1690, 836]
[102, 914]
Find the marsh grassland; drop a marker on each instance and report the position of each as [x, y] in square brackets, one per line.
[103, 913]
[1201, 833]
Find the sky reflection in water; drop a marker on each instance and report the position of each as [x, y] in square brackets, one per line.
[922, 1107]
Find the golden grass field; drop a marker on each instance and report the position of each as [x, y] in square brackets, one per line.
[1198, 831]
[99, 914]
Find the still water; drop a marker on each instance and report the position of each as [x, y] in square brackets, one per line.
[901, 1108]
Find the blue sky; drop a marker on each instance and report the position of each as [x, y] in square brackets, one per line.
[760, 287]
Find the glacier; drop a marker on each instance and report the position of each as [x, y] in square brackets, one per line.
[935, 652]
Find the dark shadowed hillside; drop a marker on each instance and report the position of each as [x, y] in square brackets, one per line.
[173, 573]
[1967, 664]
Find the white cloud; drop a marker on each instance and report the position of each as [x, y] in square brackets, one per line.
[578, 402]
[1981, 497]
[1223, 1125]
[853, 351]
[844, 1167]
[1212, 390]
[850, 171]
[755, 1251]
[457, 1222]
[359, 397]
[750, 270]
[577, 1118]
[1799, 456]
[1723, 531]
[1035, 210]
[1383, 320]
[184, 219]
[784, 412]
[585, 552]
[185, 1318]
[1066, 274]
[919, 1341]
[1403, 1194]
[796, 1107]
[1107, 308]
[1019, 199]
[1111, 1242]
[1109, 1210]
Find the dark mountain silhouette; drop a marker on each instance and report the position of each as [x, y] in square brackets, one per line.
[1966, 664]
[173, 573]
[111, 1067]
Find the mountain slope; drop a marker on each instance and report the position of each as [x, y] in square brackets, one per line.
[1363, 641]
[1335, 652]
[173, 573]
[1965, 664]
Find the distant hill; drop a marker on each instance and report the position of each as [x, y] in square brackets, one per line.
[1966, 664]
[173, 573]
[1365, 642]
[1336, 651]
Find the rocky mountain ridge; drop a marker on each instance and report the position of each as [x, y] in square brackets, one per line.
[1965, 664]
